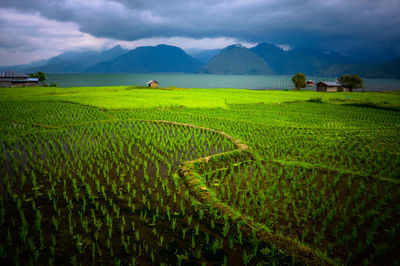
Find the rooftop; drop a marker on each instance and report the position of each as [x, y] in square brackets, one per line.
[11, 74]
[331, 83]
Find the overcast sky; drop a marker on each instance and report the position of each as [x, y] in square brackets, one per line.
[37, 29]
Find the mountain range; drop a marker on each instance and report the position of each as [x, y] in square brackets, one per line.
[161, 58]
[297, 60]
[263, 59]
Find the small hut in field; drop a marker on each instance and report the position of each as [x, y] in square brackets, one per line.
[152, 84]
[328, 86]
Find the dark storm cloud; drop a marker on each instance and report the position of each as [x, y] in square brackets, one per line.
[341, 25]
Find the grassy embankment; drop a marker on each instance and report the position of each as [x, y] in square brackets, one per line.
[125, 97]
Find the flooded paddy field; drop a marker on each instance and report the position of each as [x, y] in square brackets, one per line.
[81, 184]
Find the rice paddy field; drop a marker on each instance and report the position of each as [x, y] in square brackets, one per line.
[133, 176]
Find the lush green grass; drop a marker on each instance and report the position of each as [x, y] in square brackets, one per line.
[123, 97]
[325, 172]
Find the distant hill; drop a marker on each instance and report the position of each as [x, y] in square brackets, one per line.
[342, 69]
[275, 56]
[79, 61]
[313, 61]
[237, 60]
[203, 55]
[22, 68]
[304, 60]
[388, 70]
[68, 62]
[161, 58]
[59, 66]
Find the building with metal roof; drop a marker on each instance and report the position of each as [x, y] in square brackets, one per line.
[14, 79]
[331, 86]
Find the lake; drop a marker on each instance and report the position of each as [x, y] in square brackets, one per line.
[201, 81]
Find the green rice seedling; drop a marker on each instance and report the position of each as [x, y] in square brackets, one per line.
[215, 246]
[245, 258]
[31, 245]
[198, 254]
[193, 243]
[201, 214]
[24, 230]
[36, 254]
[182, 207]
[189, 219]
[253, 234]
[173, 225]
[154, 220]
[38, 219]
[240, 238]
[161, 241]
[168, 213]
[55, 223]
[184, 230]
[225, 228]
[41, 239]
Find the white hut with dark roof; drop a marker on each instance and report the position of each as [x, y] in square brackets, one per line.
[152, 84]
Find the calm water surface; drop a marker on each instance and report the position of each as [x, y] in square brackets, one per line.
[201, 81]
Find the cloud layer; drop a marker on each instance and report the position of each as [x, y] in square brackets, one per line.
[350, 27]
